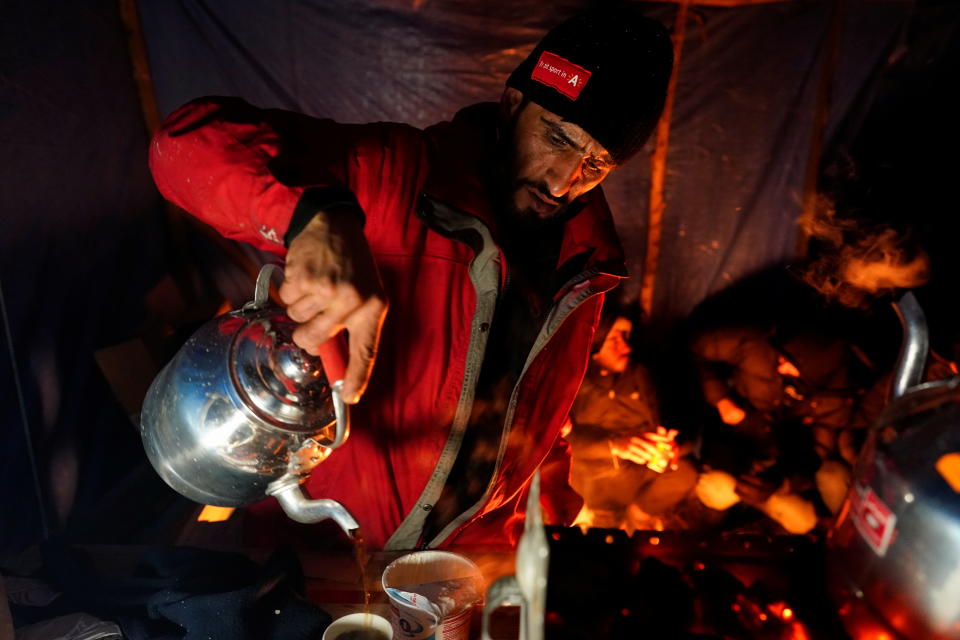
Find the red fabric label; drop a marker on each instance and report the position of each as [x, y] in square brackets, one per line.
[561, 74]
[873, 519]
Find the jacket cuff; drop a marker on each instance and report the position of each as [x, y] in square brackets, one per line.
[317, 199]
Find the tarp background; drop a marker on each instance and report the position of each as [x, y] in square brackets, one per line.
[740, 132]
[84, 240]
[81, 242]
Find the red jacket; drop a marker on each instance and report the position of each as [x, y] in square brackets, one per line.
[244, 171]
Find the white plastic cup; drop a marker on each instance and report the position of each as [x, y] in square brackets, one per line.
[376, 627]
[410, 581]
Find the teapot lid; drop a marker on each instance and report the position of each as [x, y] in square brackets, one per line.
[280, 382]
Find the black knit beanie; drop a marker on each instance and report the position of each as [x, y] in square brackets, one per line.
[605, 70]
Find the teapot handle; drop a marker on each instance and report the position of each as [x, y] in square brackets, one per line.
[261, 293]
[342, 412]
[914, 348]
[333, 357]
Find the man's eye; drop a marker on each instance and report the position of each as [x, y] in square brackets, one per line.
[557, 141]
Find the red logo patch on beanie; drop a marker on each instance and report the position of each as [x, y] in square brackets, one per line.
[561, 74]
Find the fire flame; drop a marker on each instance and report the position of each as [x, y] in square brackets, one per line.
[634, 520]
[211, 513]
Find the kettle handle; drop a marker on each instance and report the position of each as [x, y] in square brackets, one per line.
[914, 349]
[261, 293]
[333, 357]
[342, 412]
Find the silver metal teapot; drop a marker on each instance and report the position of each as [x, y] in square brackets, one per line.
[894, 551]
[241, 412]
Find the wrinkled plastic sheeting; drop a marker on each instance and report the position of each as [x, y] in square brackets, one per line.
[82, 242]
[740, 132]
[351, 60]
[75, 626]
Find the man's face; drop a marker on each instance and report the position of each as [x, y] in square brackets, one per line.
[614, 354]
[552, 161]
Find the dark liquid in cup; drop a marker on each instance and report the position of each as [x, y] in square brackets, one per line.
[362, 634]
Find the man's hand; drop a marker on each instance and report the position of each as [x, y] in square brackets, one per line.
[331, 283]
[656, 450]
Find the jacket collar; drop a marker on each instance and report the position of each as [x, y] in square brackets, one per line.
[462, 156]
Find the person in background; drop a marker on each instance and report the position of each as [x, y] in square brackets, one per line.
[488, 238]
[793, 394]
[627, 466]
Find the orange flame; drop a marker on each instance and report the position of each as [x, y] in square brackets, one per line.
[211, 513]
[798, 632]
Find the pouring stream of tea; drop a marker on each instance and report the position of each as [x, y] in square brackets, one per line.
[363, 557]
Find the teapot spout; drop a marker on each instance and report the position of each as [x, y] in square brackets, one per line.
[300, 508]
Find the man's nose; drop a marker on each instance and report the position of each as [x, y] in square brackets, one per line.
[563, 175]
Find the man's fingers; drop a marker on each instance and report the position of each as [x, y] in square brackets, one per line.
[331, 282]
[310, 335]
[322, 316]
[364, 327]
[303, 309]
[295, 282]
[290, 291]
[318, 329]
[306, 298]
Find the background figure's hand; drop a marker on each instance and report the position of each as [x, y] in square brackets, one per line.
[656, 450]
[331, 283]
[717, 490]
[730, 412]
[794, 513]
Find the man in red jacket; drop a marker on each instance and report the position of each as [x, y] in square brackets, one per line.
[488, 238]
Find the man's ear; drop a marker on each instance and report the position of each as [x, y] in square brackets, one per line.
[510, 101]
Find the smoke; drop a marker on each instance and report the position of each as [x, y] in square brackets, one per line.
[854, 263]
[884, 266]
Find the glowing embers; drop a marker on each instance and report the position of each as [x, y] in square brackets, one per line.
[211, 513]
[634, 520]
[787, 368]
[948, 466]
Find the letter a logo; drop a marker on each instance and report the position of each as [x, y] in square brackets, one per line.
[560, 74]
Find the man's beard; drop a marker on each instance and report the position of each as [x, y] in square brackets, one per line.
[523, 223]
[562, 204]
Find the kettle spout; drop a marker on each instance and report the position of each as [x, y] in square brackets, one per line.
[300, 508]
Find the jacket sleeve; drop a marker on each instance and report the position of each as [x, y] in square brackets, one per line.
[249, 172]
